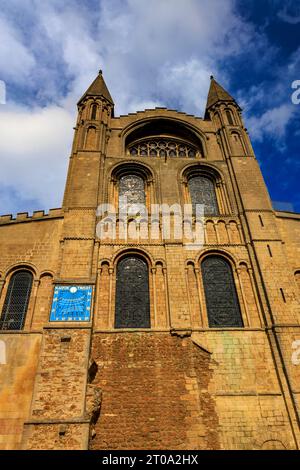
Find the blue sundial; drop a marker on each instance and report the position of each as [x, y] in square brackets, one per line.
[71, 303]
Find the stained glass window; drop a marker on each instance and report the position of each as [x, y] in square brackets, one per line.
[132, 294]
[16, 301]
[222, 303]
[202, 191]
[131, 187]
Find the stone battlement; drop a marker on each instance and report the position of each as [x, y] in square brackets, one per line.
[25, 217]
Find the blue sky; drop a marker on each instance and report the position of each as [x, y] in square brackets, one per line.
[153, 53]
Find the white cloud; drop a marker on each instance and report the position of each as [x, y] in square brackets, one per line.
[187, 83]
[35, 145]
[268, 106]
[290, 13]
[272, 122]
[287, 18]
[16, 60]
[149, 43]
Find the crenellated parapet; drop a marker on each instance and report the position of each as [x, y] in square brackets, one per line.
[25, 217]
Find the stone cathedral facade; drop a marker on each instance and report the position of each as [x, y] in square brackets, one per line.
[141, 343]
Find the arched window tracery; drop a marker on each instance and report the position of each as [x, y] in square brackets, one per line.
[16, 301]
[222, 304]
[202, 191]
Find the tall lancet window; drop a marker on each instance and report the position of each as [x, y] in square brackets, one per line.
[132, 294]
[16, 301]
[94, 112]
[131, 190]
[229, 117]
[222, 303]
[202, 191]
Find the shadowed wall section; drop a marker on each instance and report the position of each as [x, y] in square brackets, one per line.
[155, 393]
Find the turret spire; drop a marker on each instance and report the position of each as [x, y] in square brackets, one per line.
[217, 93]
[98, 88]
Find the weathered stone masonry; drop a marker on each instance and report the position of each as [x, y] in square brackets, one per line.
[180, 384]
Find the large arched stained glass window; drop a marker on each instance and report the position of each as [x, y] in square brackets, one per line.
[222, 303]
[132, 294]
[16, 301]
[131, 190]
[93, 112]
[202, 191]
